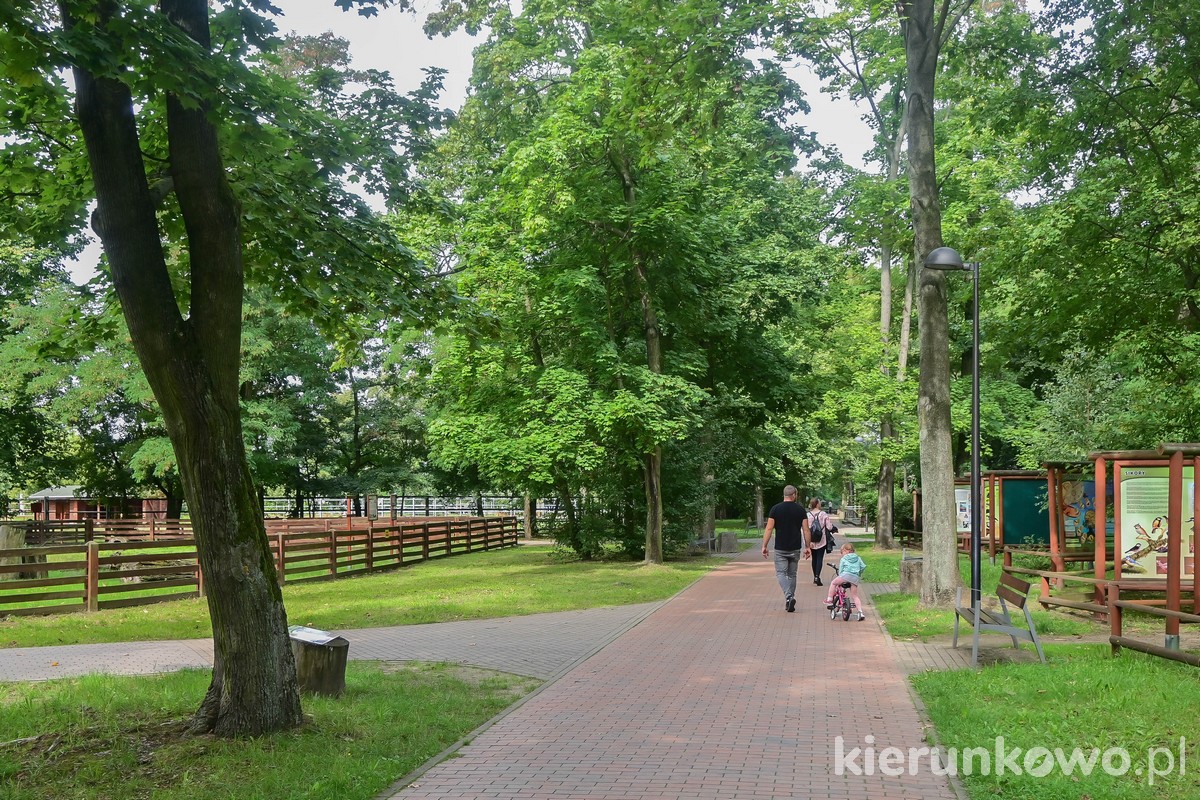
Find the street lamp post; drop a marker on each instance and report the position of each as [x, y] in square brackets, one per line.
[946, 258]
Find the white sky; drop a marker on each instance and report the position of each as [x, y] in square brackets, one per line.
[393, 41]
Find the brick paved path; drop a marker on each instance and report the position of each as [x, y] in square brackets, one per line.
[717, 694]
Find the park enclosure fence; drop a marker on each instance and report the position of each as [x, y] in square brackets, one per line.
[92, 565]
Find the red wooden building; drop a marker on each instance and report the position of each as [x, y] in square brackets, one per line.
[66, 502]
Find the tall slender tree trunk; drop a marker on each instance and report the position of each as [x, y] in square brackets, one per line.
[708, 520]
[885, 507]
[760, 514]
[940, 575]
[651, 461]
[885, 486]
[192, 367]
[652, 464]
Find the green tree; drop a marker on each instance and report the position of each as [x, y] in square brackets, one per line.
[152, 89]
[618, 180]
[856, 48]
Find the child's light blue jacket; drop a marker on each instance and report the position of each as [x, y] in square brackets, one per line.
[851, 564]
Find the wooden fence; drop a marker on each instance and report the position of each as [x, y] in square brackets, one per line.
[62, 578]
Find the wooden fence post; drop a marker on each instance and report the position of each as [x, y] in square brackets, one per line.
[91, 591]
[370, 545]
[425, 541]
[333, 553]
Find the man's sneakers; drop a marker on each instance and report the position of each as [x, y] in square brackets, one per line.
[789, 605]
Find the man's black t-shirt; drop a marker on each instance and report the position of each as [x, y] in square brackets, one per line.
[789, 516]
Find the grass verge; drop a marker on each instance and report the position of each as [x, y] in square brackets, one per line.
[108, 737]
[499, 583]
[1083, 698]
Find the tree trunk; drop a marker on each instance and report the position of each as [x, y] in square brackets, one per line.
[652, 466]
[940, 576]
[652, 469]
[530, 516]
[192, 367]
[885, 501]
[760, 514]
[885, 507]
[652, 461]
[708, 523]
[174, 505]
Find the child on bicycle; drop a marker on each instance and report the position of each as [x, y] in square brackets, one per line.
[850, 569]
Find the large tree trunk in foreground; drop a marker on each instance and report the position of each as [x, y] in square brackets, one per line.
[192, 367]
[940, 576]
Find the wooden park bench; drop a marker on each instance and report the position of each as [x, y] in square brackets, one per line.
[1012, 593]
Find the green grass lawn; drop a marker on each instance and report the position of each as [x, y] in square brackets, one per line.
[1083, 698]
[109, 737]
[497, 583]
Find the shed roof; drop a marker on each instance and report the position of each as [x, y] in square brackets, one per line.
[56, 493]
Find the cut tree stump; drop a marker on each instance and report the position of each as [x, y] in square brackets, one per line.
[320, 660]
[910, 576]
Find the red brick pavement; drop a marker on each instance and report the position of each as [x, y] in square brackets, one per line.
[718, 694]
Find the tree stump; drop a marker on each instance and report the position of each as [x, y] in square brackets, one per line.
[910, 576]
[320, 660]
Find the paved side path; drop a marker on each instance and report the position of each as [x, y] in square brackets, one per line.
[913, 656]
[718, 694]
[539, 645]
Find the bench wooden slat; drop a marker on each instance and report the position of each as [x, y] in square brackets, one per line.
[1014, 583]
[1011, 597]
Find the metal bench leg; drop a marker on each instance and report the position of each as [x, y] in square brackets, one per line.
[1037, 643]
[975, 640]
[957, 605]
[1008, 622]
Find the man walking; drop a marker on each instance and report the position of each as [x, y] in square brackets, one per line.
[790, 525]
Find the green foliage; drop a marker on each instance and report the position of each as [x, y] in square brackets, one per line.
[621, 195]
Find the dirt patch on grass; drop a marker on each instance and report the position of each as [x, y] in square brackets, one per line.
[140, 746]
[515, 686]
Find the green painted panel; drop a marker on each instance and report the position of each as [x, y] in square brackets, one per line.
[1026, 512]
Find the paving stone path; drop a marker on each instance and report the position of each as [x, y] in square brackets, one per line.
[717, 694]
[714, 694]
